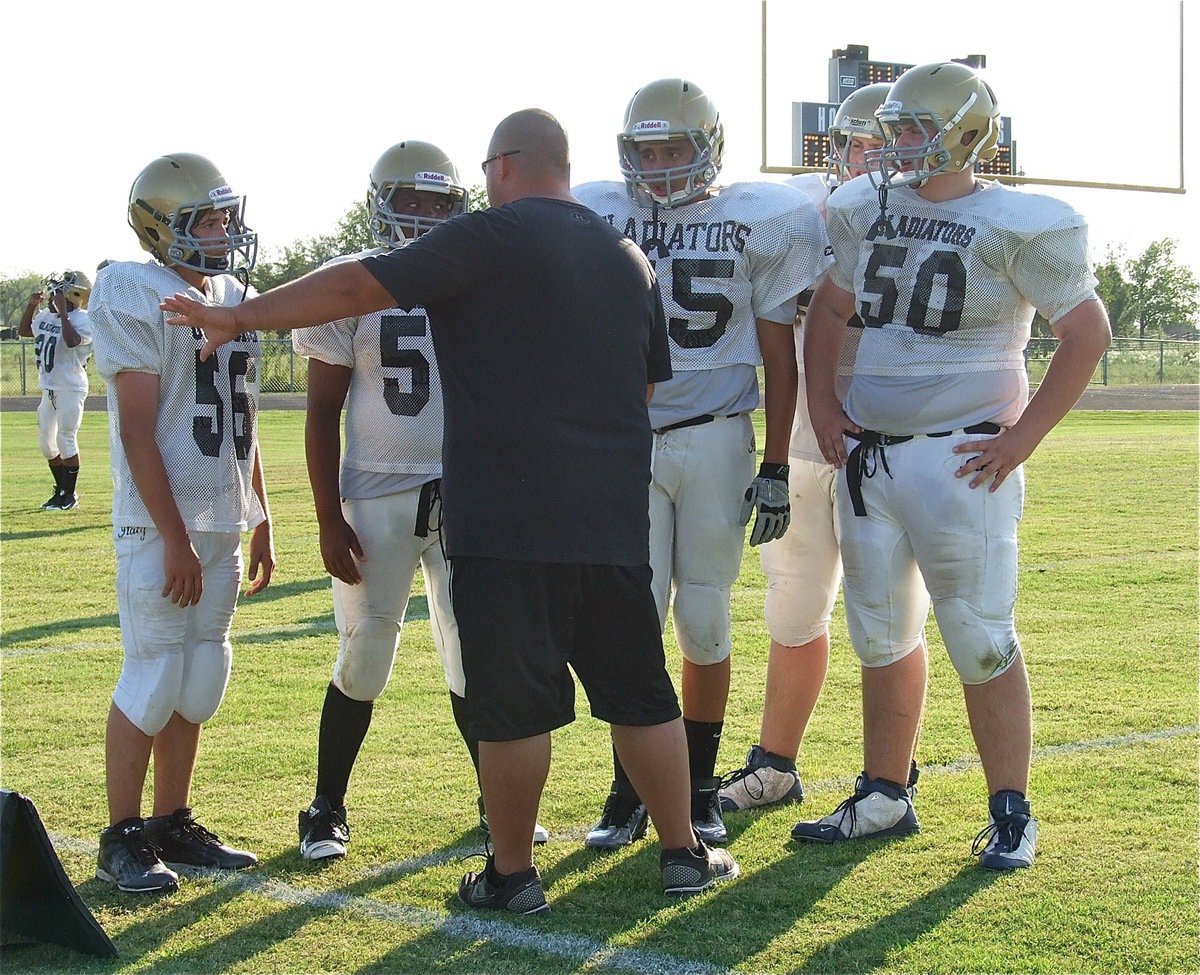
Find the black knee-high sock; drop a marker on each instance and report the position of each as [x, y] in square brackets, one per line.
[57, 471]
[458, 705]
[703, 739]
[344, 724]
[69, 477]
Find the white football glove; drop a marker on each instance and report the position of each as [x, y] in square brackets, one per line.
[768, 495]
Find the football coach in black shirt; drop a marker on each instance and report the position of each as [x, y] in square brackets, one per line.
[549, 334]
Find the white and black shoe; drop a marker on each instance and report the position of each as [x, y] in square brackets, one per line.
[623, 820]
[540, 833]
[181, 841]
[765, 780]
[1009, 841]
[128, 860]
[877, 808]
[686, 872]
[324, 833]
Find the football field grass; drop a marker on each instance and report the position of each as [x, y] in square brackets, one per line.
[1107, 613]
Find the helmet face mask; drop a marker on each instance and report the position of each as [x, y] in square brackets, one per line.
[947, 118]
[404, 169]
[854, 119]
[663, 112]
[75, 286]
[170, 200]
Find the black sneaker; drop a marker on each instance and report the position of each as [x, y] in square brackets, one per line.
[181, 841]
[128, 860]
[706, 811]
[323, 831]
[622, 822]
[65, 502]
[764, 780]
[686, 872]
[540, 833]
[1009, 841]
[53, 502]
[520, 893]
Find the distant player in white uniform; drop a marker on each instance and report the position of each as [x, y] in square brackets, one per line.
[945, 272]
[187, 481]
[731, 262]
[804, 568]
[62, 344]
[381, 518]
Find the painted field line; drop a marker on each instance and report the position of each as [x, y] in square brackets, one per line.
[574, 949]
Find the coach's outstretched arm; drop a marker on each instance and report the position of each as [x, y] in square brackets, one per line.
[342, 291]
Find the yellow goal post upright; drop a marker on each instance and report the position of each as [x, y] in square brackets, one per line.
[1015, 178]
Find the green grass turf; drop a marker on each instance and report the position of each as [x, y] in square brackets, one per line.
[1108, 618]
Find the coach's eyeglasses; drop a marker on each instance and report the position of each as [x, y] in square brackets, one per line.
[511, 152]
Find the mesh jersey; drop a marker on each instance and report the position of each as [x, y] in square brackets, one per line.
[721, 262]
[59, 366]
[394, 404]
[953, 292]
[205, 428]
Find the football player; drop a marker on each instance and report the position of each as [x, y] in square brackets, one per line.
[730, 263]
[382, 518]
[804, 568]
[62, 343]
[187, 481]
[945, 271]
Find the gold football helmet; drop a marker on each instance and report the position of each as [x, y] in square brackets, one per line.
[411, 165]
[958, 112]
[854, 117]
[75, 286]
[664, 110]
[167, 200]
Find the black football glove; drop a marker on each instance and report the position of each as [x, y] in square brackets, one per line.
[768, 495]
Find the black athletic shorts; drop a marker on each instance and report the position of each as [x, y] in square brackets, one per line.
[521, 623]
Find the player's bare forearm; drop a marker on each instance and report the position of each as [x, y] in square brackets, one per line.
[262, 541]
[328, 386]
[777, 344]
[824, 332]
[71, 337]
[25, 325]
[1083, 335]
[345, 290]
[137, 405]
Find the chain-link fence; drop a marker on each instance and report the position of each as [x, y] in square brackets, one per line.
[1129, 362]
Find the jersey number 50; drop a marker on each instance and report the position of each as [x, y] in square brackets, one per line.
[946, 265]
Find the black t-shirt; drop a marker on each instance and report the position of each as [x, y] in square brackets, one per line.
[548, 325]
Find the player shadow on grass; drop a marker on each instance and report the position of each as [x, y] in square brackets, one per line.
[72, 626]
[55, 532]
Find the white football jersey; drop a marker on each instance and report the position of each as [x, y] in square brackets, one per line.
[722, 263]
[949, 291]
[393, 414]
[59, 366]
[206, 429]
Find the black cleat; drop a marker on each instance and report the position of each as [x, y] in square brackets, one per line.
[181, 841]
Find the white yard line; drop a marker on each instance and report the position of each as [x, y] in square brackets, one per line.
[574, 949]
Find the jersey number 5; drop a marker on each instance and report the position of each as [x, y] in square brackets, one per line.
[944, 265]
[392, 355]
[209, 431]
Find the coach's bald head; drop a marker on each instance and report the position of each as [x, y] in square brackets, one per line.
[529, 156]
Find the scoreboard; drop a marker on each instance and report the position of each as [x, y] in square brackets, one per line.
[850, 69]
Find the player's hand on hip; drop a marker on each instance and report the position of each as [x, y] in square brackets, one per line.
[994, 459]
[182, 573]
[341, 552]
[262, 558]
[768, 498]
[215, 321]
[830, 426]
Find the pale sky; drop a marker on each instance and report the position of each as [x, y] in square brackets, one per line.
[294, 109]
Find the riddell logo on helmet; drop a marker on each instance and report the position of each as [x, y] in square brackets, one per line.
[892, 106]
[220, 194]
[439, 178]
[651, 127]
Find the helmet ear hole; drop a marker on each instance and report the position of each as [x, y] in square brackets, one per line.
[968, 138]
